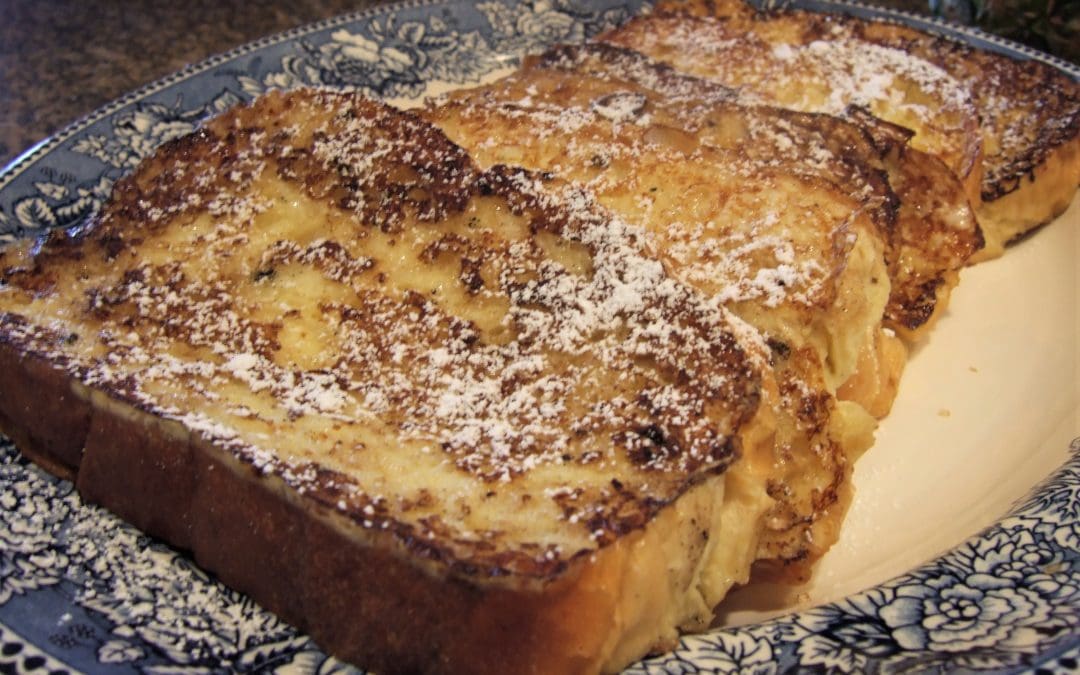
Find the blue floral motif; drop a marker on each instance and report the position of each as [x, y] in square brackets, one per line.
[396, 60]
[313, 662]
[1007, 599]
[844, 636]
[138, 133]
[134, 135]
[738, 652]
[385, 56]
[999, 601]
[391, 58]
[119, 651]
[542, 23]
[1048, 502]
[60, 206]
[952, 614]
[34, 505]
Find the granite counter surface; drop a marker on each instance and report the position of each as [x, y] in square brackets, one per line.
[61, 59]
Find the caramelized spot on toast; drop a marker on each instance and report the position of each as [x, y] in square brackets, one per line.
[482, 368]
[752, 205]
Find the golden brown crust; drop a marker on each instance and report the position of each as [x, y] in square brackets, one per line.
[921, 210]
[38, 409]
[1021, 167]
[362, 603]
[140, 467]
[807, 61]
[329, 420]
[442, 605]
[421, 178]
[937, 235]
[1051, 186]
[811, 477]
[1027, 109]
[661, 147]
[574, 104]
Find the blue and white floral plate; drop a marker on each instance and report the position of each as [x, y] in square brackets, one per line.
[987, 411]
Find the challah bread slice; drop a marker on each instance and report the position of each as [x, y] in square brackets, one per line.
[444, 419]
[1029, 116]
[1008, 128]
[776, 238]
[796, 60]
[926, 223]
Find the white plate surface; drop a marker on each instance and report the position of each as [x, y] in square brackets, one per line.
[986, 415]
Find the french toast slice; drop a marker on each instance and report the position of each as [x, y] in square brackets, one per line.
[777, 241]
[444, 419]
[795, 60]
[1029, 115]
[780, 243]
[1009, 129]
[926, 222]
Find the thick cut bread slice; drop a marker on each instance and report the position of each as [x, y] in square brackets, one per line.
[773, 236]
[928, 227]
[778, 241]
[797, 61]
[1009, 129]
[1029, 115]
[444, 419]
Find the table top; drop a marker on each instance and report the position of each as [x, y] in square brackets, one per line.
[62, 59]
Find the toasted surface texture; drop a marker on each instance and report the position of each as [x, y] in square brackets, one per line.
[712, 194]
[1029, 116]
[1009, 129]
[923, 217]
[462, 408]
[799, 60]
[780, 242]
[527, 379]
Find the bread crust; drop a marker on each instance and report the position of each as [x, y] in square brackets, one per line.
[1020, 162]
[260, 539]
[928, 227]
[40, 412]
[127, 378]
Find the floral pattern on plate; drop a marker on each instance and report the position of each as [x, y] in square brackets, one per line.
[1006, 599]
[81, 590]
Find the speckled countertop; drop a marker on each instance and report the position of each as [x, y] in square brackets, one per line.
[62, 59]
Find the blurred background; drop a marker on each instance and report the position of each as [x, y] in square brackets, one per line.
[60, 59]
[1052, 26]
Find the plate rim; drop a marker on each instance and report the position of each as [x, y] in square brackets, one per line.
[734, 637]
[938, 25]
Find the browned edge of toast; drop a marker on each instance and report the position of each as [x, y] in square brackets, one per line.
[246, 529]
[1015, 187]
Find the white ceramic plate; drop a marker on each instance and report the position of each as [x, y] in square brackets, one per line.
[943, 564]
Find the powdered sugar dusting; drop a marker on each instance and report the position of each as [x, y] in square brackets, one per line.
[745, 253]
[862, 74]
[498, 322]
[815, 65]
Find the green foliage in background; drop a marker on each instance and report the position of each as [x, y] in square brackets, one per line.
[1050, 25]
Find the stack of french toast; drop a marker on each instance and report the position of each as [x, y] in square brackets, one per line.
[528, 378]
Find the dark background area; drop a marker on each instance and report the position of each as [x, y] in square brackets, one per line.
[61, 59]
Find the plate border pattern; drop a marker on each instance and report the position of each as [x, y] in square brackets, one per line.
[1006, 600]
